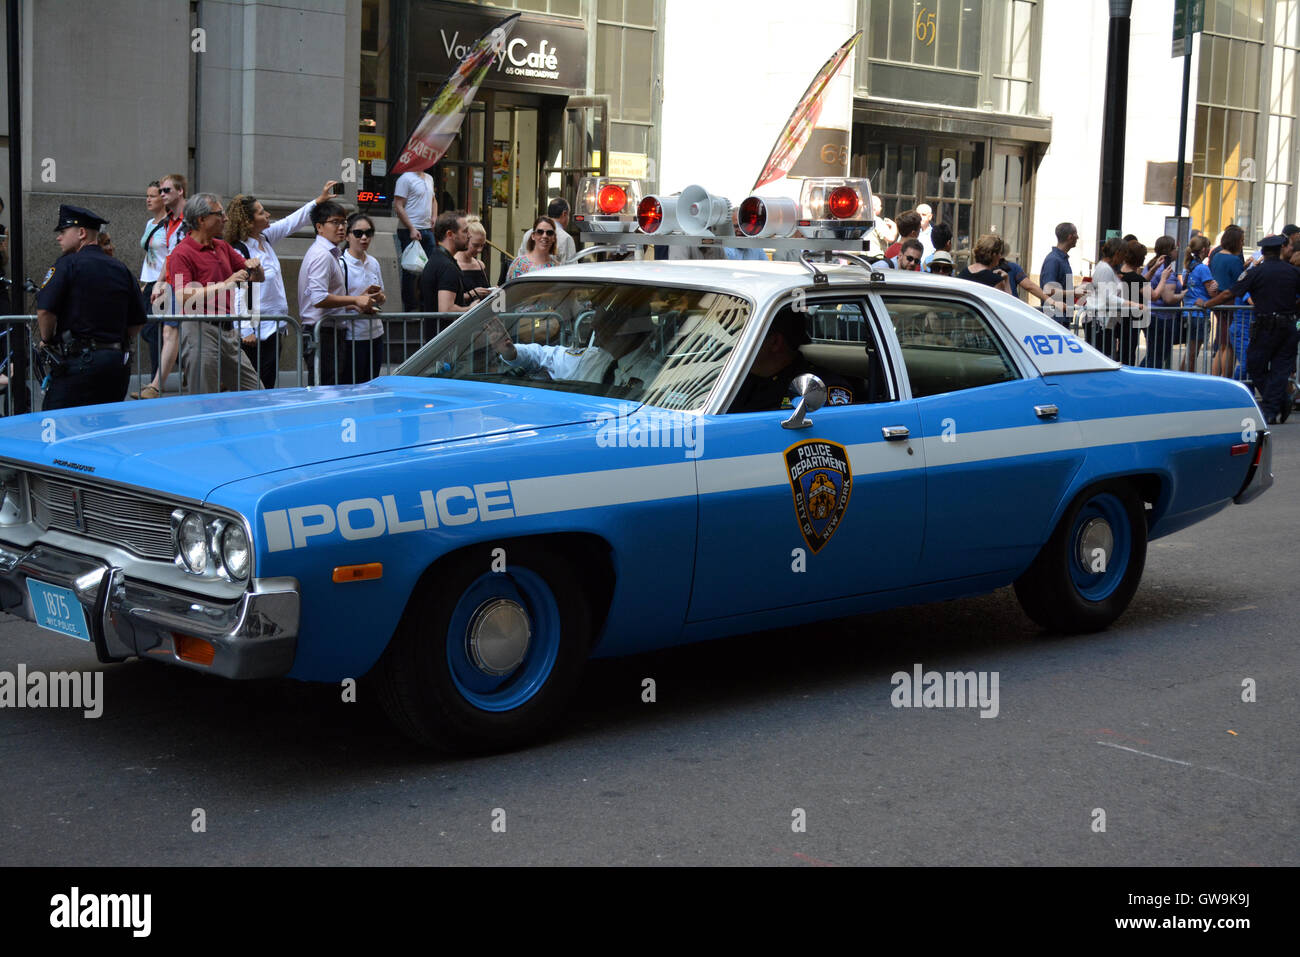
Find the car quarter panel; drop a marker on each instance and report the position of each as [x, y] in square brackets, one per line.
[408, 508]
[1184, 433]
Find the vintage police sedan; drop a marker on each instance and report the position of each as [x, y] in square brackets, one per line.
[565, 473]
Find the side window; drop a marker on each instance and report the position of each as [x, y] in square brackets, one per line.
[947, 346]
[829, 338]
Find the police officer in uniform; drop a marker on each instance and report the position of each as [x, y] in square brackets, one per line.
[1274, 287]
[87, 309]
[779, 362]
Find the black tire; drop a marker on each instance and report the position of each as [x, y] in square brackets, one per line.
[1060, 591]
[433, 680]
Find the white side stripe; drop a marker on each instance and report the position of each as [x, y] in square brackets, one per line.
[563, 493]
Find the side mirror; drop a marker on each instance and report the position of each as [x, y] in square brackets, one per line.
[812, 396]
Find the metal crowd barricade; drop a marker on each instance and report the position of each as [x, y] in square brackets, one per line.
[405, 333]
[228, 333]
[1183, 338]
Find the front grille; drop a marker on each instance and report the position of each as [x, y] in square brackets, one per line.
[122, 518]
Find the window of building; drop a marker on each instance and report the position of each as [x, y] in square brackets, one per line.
[625, 71]
[1233, 133]
[376, 103]
[966, 53]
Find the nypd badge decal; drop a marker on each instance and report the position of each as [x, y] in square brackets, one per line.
[822, 482]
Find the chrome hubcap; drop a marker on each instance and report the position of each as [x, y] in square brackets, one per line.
[1096, 542]
[498, 636]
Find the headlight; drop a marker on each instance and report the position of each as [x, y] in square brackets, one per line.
[191, 541]
[234, 551]
[11, 498]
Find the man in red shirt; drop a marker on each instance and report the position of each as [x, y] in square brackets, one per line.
[205, 272]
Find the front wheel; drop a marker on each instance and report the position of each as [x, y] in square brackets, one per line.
[486, 660]
[1089, 570]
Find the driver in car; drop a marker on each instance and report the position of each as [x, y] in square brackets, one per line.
[612, 339]
[779, 362]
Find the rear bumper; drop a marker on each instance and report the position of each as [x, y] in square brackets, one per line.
[1260, 475]
[255, 636]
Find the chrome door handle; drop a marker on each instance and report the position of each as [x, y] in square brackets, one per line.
[1046, 411]
[895, 433]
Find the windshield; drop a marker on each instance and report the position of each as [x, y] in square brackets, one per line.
[659, 345]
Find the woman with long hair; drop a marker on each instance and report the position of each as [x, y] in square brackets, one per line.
[540, 248]
[1199, 284]
[472, 268]
[250, 230]
[362, 354]
[1232, 329]
[1166, 293]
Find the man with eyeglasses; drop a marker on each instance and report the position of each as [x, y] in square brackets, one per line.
[204, 272]
[910, 255]
[322, 289]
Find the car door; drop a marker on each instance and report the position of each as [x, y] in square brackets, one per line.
[796, 516]
[999, 447]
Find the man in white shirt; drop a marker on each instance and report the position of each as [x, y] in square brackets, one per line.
[926, 237]
[416, 209]
[321, 288]
[565, 250]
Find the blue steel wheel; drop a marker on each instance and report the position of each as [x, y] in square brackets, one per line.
[484, 660]
[1087, 573]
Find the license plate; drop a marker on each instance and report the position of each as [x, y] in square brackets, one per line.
[57, 609]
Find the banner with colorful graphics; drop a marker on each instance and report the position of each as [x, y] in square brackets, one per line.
[804, 118]
[442, 121]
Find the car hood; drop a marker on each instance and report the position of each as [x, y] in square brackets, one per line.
[191, 445]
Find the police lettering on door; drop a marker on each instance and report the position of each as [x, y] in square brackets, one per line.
[360, 518]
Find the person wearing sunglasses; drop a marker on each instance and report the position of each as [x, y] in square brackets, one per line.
[172, 191]
[539, 250]
[941, 263]
[910, 255]
[250, 230]
[361, 353]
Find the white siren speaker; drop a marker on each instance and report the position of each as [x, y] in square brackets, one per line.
[699, 211]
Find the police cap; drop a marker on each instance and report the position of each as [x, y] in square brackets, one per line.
[76, 216]
[1272, 242]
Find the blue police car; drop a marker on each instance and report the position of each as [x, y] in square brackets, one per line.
[610, 458]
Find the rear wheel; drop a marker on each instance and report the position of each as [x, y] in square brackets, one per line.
[485, 660]
[1089, 570]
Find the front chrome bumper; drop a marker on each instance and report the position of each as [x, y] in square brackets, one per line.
[254, 636]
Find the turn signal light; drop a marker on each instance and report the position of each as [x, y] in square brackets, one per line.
[194, 650]
[358, 573]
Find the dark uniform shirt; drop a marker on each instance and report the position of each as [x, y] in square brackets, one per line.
[765, 393]
[93, 295]
[1273, 286]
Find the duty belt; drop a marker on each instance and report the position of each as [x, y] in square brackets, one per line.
[77, 346]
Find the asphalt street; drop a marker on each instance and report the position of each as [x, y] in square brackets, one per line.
[1141, 729]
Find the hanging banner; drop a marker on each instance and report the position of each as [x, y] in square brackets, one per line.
[790, 144]
[442, 121]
